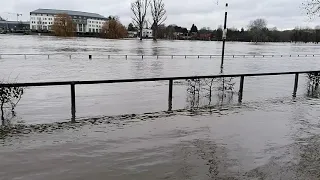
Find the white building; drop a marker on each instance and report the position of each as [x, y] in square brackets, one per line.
[147, 33]
[43, 19]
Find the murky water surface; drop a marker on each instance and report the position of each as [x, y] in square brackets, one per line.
[270, 136]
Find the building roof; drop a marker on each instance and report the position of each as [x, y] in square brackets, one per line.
[71, 13]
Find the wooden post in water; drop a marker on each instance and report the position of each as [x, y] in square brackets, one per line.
[296, 82]
[48, 56]
[73, 103]
[90, 57]
[126, 57]
[170, 95]
[25, 56]
[241, 89]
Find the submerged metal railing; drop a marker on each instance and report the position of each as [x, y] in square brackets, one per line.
[170, 79]
[126, 56]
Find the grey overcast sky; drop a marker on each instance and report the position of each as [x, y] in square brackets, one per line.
[283, 14]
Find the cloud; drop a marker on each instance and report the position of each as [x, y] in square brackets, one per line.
[284, 14]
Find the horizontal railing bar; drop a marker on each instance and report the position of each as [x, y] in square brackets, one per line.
[62, 83]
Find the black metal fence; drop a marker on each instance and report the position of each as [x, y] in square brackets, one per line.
[170, 79]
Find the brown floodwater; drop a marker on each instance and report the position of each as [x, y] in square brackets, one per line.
[273, 140]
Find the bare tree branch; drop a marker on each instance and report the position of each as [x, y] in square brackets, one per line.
[158, 13]
[139, 10]
[312, 7]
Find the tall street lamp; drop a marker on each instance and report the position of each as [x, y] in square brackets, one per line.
[224, 35]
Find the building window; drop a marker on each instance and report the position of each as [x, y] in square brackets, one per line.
[89, 29]
[47, 14]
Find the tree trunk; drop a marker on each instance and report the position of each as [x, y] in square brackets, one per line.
[155, 33]
[2, 114]
[141, 33]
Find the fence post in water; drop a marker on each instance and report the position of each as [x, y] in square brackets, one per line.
[296, 82]
[73, 103]
[25, 56]
[108, 56]
[170, 95]
[90, 57]
[142, 56]
[126, 56]
[0, 56]
[241, 89]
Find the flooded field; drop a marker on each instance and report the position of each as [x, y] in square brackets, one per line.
[270, 136]
[52, 104]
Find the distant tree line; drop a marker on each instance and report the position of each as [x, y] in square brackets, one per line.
[257, 31]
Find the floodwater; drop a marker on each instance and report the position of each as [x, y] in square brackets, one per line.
[269, 136]
[264, 141]
[52, 104]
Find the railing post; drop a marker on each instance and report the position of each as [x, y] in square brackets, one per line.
[73, 103]
[48, 56]
[108, 56]
[170, 95]
[296, 82]
[0, 56]
[25, 56]
[70, 56]
[126, 57]
[241, 89]
[90, 57]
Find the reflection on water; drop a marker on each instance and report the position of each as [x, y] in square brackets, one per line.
[313, 85]
[202, 92]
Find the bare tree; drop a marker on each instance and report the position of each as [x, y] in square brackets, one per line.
[63, 25]
[158, 13]
[113, 29]
[9, 99]
[257, 28]
[312, 7]
[139, 10]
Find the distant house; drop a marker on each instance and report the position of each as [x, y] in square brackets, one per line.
[132, 34]
[147, 33]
